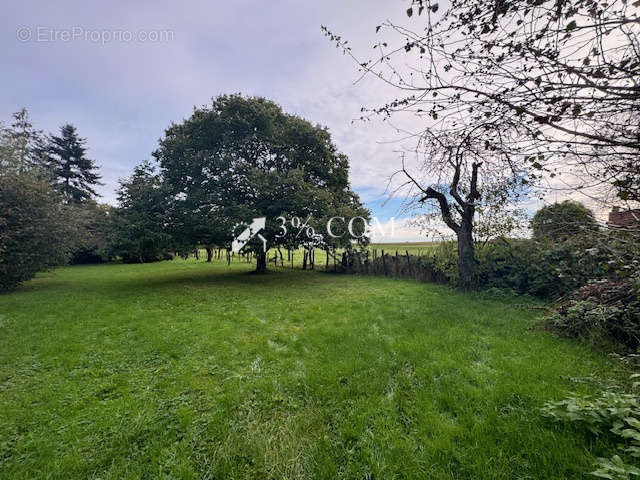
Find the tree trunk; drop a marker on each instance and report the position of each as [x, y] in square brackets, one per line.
[466, 257]
[209, 254]
[261, 262]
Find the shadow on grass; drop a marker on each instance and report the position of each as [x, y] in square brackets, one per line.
[211, 278]
[170, 277]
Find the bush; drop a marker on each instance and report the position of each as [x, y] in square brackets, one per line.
[602, 310]
[542, 269]
[538, 268]
[567, 251]
[594, 276]
[554, 269]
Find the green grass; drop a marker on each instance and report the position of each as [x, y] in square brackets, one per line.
[414, 248]
[186, 369]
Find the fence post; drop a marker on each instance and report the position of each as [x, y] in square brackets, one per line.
[384, 264]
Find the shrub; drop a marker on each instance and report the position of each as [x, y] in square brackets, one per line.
[602, 310]
[554, 269]
[613, 412]
[445, 261]
[542, 269]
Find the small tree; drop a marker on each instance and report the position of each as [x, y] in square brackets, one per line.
[551, 85]
[21, 146]
[27, 143]
[74, 174]
[460, 174]
[561, 221]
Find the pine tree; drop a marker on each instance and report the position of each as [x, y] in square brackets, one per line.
[74, 174]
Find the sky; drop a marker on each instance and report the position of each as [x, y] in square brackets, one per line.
[121, 72]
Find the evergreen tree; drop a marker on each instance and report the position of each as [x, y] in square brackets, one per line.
[74, 174]
[27, 140]
[35, 229]
[22, 145]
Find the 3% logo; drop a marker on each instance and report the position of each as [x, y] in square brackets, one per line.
[297, 225]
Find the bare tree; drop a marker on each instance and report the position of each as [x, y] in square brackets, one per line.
[567, 71]
[460, 173]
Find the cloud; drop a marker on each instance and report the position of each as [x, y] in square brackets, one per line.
[122, 95]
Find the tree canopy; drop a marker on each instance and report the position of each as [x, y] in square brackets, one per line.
[517, 91]
[242, 158]
[563, 220]
[35, 231]
[138, 226]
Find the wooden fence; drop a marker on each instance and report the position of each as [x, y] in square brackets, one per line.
[370, 262]
[420, 268]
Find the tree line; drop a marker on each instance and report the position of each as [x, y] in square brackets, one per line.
[47, 206]
[237, 159]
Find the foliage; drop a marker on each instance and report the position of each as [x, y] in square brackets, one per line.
[467, 179]
[21, 146]
[538, 268]
[602, 310]
[561, 221]
[524, 266]
[93, 231]
[568, 250]
[73, 173]
[244, 158]
[190, 369]
[138, 225]
[614, 412]
[499, 219]
[537, 88]
[34, 228]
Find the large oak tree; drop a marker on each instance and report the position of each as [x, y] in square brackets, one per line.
[242, 158]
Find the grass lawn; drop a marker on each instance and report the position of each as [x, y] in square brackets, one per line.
[194, 370]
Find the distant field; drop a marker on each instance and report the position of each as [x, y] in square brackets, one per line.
[189, 369]
[414, 248]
